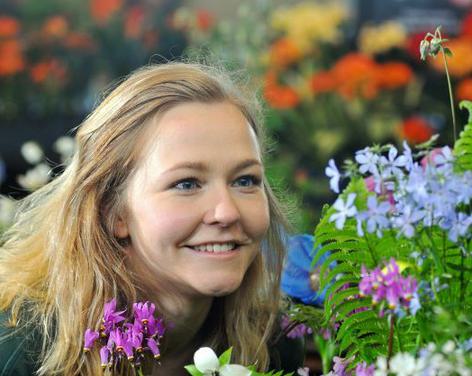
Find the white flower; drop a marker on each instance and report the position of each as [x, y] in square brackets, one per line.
[65, 146]
[403, 364]
[207, 362]
[32, 152]
[35, 178]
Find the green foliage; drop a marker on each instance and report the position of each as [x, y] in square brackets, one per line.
[225, 357]
[463, 146]
[193, 370]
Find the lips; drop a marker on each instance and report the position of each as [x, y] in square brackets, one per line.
[216, 247]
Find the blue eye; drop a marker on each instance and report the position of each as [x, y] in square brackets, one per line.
[186, 184]
[247, 181]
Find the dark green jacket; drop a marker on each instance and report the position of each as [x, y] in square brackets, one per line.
[17, 356]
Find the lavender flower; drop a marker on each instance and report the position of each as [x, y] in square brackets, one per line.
[298, 331]
[90, 338]
[391, 166]
[362, 369]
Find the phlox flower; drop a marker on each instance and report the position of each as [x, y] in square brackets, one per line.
[406, 220]
[333, 173]
[344, 210]
[375, 217]
[391, 165]
[362, 369]
[367, 161]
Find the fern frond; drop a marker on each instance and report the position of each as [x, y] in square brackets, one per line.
[463, 146]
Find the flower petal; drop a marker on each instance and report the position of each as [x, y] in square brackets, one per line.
[234, 370]
[206, 360]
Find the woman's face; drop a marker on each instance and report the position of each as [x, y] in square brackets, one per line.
[196, 208]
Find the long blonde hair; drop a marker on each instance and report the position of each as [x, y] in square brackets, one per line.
[60, 261]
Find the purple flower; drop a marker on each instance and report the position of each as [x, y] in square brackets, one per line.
[340, 366]
[298, 331]
[333, 173]
[154, 347]
[122, 343]
[110, 316]
[344, 210]
[389, 285]
[104, 356]
[362, 369]
[90, 338]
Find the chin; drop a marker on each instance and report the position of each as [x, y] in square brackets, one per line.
[218, 290]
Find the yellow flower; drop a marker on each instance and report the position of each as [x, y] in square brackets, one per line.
[308, 24]
[377, 39]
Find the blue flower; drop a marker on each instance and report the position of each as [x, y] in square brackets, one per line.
[297, 271]
[333, 173]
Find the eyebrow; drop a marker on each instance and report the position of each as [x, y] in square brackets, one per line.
[202, 167]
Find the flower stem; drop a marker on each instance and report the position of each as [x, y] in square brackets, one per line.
[390, 339]
[451, 94]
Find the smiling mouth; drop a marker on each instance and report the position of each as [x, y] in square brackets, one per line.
[216, 248]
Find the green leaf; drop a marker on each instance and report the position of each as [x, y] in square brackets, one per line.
[193, 370]
[225, 357]
[463, 146]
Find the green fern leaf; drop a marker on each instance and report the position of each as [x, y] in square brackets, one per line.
[463, 146]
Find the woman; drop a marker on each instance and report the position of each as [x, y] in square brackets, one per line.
[165, 200]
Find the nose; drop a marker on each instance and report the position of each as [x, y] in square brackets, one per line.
[223, 209]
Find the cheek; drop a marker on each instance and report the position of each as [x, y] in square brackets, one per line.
[258, 219]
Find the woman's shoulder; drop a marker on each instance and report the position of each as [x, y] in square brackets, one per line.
[17, 352]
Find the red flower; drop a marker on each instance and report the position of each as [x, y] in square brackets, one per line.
[55, 27]
[48, 69]
[416, 130]
[322, 82]
[102, 10]
[9, 26]
[393, 75]
[134, 20]
[79, 40]
[204, 19]
[11, 57]
[466, 27]
[464, 89]
[284, 52]
[279, 96]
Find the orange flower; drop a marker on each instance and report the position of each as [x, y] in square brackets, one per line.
[204, 19]
[393, 75]
[460, 64]
[322, 82]
[102, 10]
[11, 57]
[279, 96]
[79, 40]
[134, 22]
[464, 89]
[150, 39]
[284, 52]
[9, 26]
[48, 69]
[55, 27]
[415, 130]
[356, 75]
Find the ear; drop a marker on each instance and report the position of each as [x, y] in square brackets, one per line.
[120, 228]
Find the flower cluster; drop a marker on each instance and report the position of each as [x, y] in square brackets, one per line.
[390, 286]
[408, 195]
[293, 329]
[122, 340]
[448, 359]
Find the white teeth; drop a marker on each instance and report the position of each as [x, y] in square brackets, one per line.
[225, 247]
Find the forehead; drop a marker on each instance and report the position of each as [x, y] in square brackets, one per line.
[200, 130]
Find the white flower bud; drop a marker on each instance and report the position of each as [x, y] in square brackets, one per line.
[32, 152]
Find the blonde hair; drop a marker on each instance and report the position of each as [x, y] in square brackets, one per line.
[60, 262]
